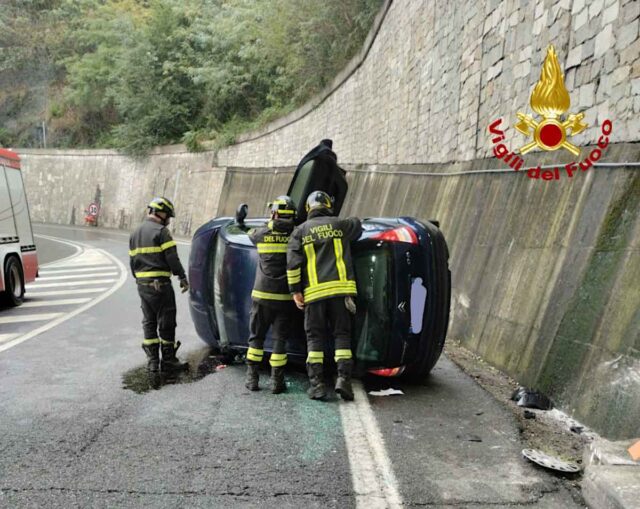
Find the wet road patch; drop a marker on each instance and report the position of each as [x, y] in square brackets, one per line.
[201, 363]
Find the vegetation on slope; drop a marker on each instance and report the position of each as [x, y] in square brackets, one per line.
[132, 74]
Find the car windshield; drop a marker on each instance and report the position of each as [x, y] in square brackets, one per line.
[373, 320]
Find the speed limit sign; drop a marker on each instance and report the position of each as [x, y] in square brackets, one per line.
[93, 209]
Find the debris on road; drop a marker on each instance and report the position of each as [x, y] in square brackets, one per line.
[546, 461]
[634, 451]
[386, 392]
[528, 414]
[529, 398]
[576, 429]
[469, 438]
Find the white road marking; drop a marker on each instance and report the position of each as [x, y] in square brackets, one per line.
[67, 292]
[119, 234]
[77, 311]
[6, 337]
[29, 318]
[53, 302]
[71, 270]
[36, 285]
[374, 481]
[47, 277]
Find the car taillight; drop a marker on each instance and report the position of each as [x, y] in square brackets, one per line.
[387, 371]
[402, 234]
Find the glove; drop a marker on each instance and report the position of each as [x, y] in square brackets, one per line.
[184, 284]
[350, 304]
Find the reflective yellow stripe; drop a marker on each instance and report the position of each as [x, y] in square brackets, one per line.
[328, 293]
[167, 245]
[342, 269]
[286, 212]
[165, 342]
[343, 354]
[271, 296]
[315, 357]
[278, 360]
[330, 285]
[154, 341]
[272, 248]
[155, 206]
[145, 250]
[294, 276]
[254, 354]
[166, 203]
[311, 264]
[157, 273]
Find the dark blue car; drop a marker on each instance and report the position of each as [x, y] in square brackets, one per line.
[403, 279]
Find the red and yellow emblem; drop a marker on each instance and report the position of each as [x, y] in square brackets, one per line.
[550, 99]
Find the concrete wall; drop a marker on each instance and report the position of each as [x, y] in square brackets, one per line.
[544, 272]
[63, 183]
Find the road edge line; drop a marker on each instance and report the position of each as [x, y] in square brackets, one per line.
[374, 481]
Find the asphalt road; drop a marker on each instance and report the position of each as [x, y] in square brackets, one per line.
[82, 426]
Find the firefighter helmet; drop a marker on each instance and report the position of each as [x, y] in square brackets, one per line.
[319, 199]
[160, 204]
[283, 206]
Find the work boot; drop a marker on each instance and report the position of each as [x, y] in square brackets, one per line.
[316, 389]
[251, 380]
[277, 380]
[153, 357]
[343, 384]
[169, 360]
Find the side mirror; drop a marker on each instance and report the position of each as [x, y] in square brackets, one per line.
[241, 213]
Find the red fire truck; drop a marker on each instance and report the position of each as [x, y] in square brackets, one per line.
[18, 257]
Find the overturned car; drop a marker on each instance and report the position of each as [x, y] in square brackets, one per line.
[402, 274]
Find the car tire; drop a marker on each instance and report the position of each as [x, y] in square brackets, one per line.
[229, 355]
[14, 283]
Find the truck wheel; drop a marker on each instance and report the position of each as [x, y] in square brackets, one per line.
[14, 283]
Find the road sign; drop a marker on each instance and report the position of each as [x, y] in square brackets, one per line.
[93, 209]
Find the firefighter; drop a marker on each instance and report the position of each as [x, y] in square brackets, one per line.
[153, 258]
[272, 304]
[321, 278]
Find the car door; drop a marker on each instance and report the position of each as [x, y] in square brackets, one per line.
[318, 171]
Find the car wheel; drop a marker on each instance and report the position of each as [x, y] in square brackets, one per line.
[229, 355]
[14, 283]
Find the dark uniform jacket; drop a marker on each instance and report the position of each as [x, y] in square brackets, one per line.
[319, 256]
[153, 253]
[271, 274]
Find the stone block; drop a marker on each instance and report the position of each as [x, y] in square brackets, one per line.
[580, 19]
[577, 6]
[636, 104]
[620, 74]
[630, 53]
[611, 61]
[574, 58]
[611, 13]
[587, 95]
[629, 12]
[635, 86]
[595, 8]
[627, 34]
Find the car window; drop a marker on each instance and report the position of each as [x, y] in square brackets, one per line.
[373, 320]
